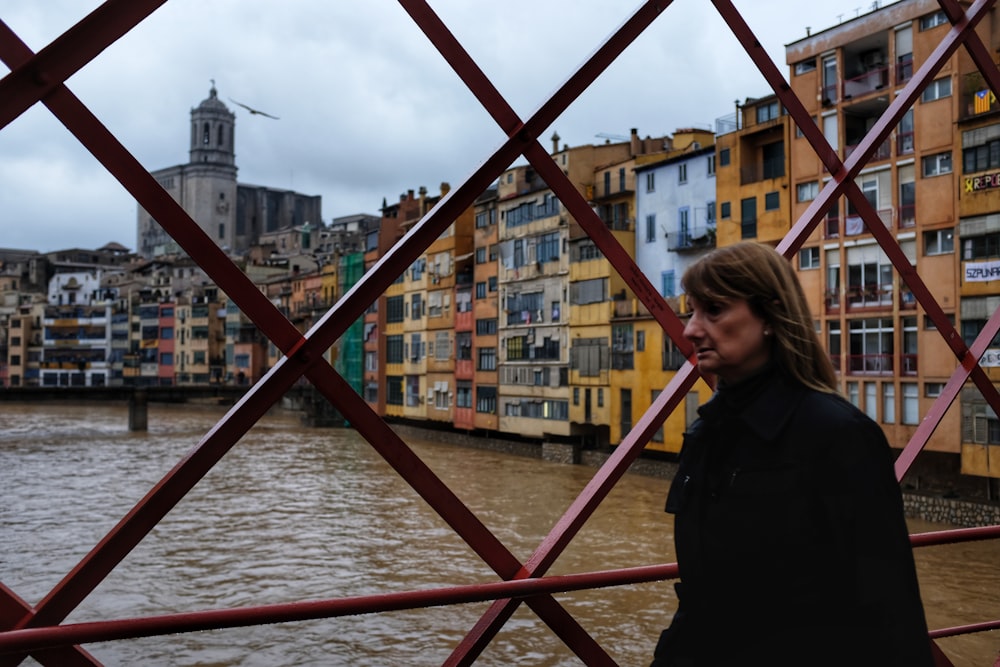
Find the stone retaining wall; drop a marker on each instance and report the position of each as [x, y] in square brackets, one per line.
[933, 508]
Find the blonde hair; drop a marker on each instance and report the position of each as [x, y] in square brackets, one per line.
[759, 275]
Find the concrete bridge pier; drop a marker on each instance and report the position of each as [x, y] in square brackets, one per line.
[138, 410]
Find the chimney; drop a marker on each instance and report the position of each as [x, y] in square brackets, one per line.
[555, 142]
[445, 188]
[635, 147]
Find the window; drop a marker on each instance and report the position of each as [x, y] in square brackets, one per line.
[480, 255]
[394, 389]
[394, 349]
[650, 228]
[416, 306]
[980, 150]
[463, 345]
[486, 359]
[442, 346]
[724, 157]
[711, 164]
[394, 309]
[621, 347]
[985, 427]
[774, 159]
[486, 327]
[807, 191]
[166, 358]
[593, 290]
[772, 201]
[933, 389]
[766, 112]
[986, 246]
[682, 173]
[748, 223]
[809, 258]
[805, 66]
[621, 179]
[911, 403]
[937, 89]
[651, 181]
[668, 283]
[871, 401]
[486, 399]
[492, 282]
[480, 290]
[933, 20]
[936, 165]
[725, 210]
[939, 241]
[888, 403]
[463, 394]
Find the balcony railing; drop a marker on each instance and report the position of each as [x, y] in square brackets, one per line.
[692, 238]
[869, 364]
[883, 152]
[831, 225]
[869, 296]
[909, 364]
[854, 224]
[872, 80]
[904, 68]
[904, 143]
[772, 168]
[907, 215]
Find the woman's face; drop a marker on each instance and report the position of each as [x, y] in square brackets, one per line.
[728, 338]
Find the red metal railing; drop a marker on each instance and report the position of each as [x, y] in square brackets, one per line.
[40, 78]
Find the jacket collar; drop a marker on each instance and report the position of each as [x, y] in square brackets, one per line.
[767, 413]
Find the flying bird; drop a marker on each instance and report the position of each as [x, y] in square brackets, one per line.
[252, 110]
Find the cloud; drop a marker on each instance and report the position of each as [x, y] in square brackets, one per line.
[369, 109]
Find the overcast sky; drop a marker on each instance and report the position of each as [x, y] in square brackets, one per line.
[368, 109]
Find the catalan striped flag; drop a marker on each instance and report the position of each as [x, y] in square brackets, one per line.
[983, 100]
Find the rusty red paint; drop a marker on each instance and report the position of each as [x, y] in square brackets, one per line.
[39, 78]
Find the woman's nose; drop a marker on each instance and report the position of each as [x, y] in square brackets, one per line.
[693, 328]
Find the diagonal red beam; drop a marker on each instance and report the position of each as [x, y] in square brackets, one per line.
[508, 120]
[577, 513]
[843, 175]
[116, 159]
[103, 558]
[38, 76]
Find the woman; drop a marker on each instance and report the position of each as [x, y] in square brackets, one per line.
[788, 520]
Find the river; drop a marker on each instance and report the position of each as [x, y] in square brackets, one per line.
[295, 513]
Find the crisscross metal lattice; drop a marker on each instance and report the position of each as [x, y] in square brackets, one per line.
[39, 78]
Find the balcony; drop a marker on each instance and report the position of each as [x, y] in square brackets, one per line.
[855, 225]
[692, 238]
[869, 296]
[831, 225]
[883, 152]
[870, 364]
[909, 363]
[754, 173]
[874, 79]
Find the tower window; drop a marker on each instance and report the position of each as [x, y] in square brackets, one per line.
[204, 135]
[221, 141]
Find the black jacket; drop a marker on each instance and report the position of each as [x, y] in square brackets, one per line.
[790, 536]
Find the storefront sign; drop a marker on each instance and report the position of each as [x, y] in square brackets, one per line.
[981, 272]
[990, 358]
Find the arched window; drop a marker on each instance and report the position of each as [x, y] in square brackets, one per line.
[221, 139]
[204, 135]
